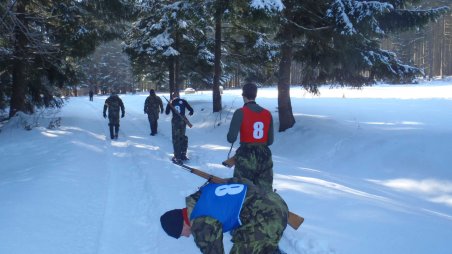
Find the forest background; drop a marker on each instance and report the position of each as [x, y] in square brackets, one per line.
[53, 49]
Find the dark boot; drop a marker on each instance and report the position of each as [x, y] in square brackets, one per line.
[184, 157]
[177, 161]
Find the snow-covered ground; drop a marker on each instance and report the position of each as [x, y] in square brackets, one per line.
[369, 170]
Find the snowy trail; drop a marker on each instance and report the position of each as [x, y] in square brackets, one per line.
[131, 196]
[126, 205]
[134, 194]
[369, 175]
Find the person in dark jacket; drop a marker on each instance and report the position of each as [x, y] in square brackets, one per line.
[153, 106]
[180, 140]
[113, 103]
[253, 159]
[91, 94]
[255, 218]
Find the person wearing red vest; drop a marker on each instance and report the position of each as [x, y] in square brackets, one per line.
[253, 159]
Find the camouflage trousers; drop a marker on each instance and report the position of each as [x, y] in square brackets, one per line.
[113, 118]
[254, 162]
[180, 141]
[113, 123]
[263, 223]
[152, 117]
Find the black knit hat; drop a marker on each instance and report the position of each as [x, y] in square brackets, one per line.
[249, 90]
[173, 222]
[152, 92]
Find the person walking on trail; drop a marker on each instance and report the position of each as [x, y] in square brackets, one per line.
[113, 103]
[253, 159]
[180, 140]
[91, 94]
[153, 106]
[255, 218]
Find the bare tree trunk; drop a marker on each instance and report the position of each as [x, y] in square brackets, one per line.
[431, 56]
[443, 47]
[177, 78]
[449, 45]
[19, 82]
[217, 63]
[174, 90]
[286, 118]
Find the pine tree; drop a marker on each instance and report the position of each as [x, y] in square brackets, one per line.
[245, 45]
[168, 38]
[339, 42]
[249, 40]
[427, 48]
[107, 69]
[45, 37]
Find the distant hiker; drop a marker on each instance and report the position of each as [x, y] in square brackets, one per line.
[91, 94]
[255, 218]
[180, 140]
[114, 104]
[253, 159]
[153, 106]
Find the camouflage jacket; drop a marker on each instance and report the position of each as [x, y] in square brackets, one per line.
[153, 105]
[114, 104]
[263, 216]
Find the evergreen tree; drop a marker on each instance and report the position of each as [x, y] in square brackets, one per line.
[107, 69]
[427, 48]
[339, 42]
[249, 39]
[243, 45]
[159, 32]
[45, 37]
[168, 38]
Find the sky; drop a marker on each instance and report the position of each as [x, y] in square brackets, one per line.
[368, 169]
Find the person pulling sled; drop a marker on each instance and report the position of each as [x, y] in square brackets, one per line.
[179, 122]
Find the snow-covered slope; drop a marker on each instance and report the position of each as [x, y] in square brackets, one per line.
[368, 169]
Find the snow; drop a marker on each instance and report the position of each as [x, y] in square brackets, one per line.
[368, 169]
[183, 24]
[269, 5]
[162, 40]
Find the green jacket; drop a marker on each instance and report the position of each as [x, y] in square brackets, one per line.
[153, 105]
[113, 103]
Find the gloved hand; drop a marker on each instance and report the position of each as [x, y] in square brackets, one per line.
[105, 115]
[191, 113]
[122, 116]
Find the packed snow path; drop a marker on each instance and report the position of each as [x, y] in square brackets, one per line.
[370, 175]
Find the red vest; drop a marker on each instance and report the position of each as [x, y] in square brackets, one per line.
[255, 126]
